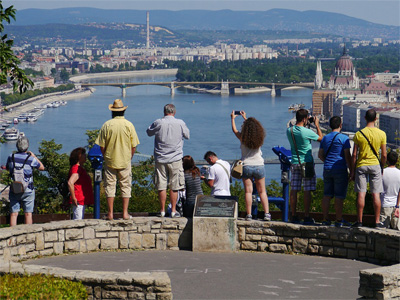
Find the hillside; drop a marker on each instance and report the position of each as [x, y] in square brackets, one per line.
[275, 19]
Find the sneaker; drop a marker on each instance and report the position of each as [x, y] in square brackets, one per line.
[249, 217]
[308, 221]
[326, 222]
[175, 214]
[161, 214]
[267, 217]
[357, 225]
[380, 225]
[295, 220]
[342, 223]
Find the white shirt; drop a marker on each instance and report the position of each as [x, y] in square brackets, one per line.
[391, 187]
[221, 178]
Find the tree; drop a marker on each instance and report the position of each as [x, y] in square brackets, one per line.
[64, 75]
[10, 72]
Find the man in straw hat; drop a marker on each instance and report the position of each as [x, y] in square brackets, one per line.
[169, 133]
[118, 140]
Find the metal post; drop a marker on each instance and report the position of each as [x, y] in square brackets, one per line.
[96, 158]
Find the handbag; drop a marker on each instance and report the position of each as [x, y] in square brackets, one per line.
[237, 169]
[306, 169]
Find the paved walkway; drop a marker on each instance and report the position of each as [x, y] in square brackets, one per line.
[241, 275]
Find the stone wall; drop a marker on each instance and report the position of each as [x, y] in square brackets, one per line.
[380, 283]
[378, 246]
[28, 241]
[104, 285]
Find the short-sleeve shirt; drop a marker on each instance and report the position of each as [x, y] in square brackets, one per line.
[377, 138]
[169, 133]
[83, 186]
[391, 187]
[303, 137]
[117, 136]
[335, 159]
[220, 175]
[31, 163]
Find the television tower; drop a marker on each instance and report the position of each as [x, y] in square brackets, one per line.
[148, 30]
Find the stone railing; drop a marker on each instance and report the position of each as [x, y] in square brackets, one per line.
[104, 285]
[380, 283]
[366, 244]
[28, 241]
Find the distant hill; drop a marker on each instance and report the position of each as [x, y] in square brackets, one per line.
[274, 19]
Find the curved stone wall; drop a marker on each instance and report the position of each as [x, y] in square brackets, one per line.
[29, 241]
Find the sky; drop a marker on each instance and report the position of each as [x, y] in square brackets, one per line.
[377, 11]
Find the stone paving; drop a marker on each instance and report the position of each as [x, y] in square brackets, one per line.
[241, 275]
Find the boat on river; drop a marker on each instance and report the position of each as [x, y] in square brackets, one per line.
[295, 107]
[11, 134]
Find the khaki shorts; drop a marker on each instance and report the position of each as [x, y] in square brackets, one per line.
[171, 173]
[387, 217]
[371, 174]
[124, 178]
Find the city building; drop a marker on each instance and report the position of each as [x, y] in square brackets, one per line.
[390, 123]
[344, 76]
[322, 103]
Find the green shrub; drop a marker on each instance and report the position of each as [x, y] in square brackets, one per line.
[40, 287]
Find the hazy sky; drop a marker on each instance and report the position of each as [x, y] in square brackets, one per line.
[377, 11]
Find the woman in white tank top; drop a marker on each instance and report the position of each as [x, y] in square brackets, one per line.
[251, 138]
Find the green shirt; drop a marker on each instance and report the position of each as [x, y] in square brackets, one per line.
[303, 137]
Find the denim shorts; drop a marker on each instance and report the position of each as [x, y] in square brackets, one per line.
[335, 183]
[26, 199]
[256, 172]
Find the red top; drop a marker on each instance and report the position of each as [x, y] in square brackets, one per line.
[83, 186]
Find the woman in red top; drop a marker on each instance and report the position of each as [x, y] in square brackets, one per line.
[79, 184]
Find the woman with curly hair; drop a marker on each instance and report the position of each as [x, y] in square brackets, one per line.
[251, 139]
[79, 184]
[192, 185]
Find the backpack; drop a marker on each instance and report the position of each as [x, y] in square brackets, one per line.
[19, 184]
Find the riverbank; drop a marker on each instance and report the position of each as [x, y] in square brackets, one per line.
[14, 110]
[83, 77]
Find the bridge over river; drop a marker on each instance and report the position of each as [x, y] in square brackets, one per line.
[226, 87]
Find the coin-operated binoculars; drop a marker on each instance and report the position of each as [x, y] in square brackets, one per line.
[285, 158]
[96, 158]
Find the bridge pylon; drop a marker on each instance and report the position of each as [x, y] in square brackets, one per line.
[224, 88]
[172, 88]
[273, 92]
[123, 90]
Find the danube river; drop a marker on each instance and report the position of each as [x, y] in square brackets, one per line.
[206, 115]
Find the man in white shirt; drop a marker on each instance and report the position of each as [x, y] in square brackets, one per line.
[390, 197]
[218, 175]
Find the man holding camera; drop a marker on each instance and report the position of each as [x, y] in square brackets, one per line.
[300, 139]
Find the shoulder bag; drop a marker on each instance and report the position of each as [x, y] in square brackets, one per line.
[327, 151]
[373, 149]
[237, 169]
[227, 173]
[307, 169]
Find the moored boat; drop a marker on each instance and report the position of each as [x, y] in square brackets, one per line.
[11, 134]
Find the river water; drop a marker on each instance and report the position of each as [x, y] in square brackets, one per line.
[206, 115]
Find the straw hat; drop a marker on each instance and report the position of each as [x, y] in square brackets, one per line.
[117, 105]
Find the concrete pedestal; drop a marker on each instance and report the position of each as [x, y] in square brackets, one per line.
[214, 234]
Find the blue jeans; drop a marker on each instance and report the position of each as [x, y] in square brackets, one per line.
[335, 183]
[27, 200]
[256, 172]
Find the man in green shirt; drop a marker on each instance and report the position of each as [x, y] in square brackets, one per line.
[302, 149]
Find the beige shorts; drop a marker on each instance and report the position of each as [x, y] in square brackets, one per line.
[388, 218]
[124, 178]
[169, 174]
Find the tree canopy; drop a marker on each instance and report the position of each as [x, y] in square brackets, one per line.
[10, 71]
